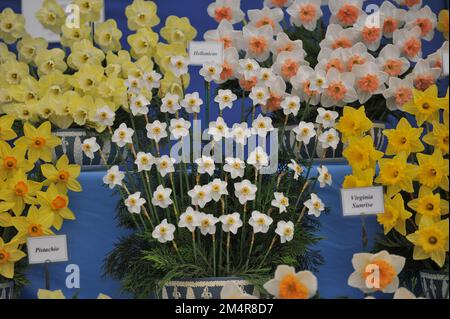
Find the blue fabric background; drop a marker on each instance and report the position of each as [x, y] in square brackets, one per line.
[94, 232]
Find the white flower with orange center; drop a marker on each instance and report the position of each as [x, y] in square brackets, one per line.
[369, 81]
[277, 92]
[288, 284]
[232, 291]
[224, 33]
[329, 138]
[291, 105]
[134, 203]
[376, 272]
[218, 129]
[205, 165]
[234, 166]
[240, 133]
[266, 16]
[392, 17]
[138, 105]
[262, 125]
[258, 158]
[133, 84]
[164, 232]
[165, 165]
[345, 12]
[161, 197]
[207, 223]
[287, 64]
[436, 59]
[257, 42]
[337, 37]
[425, 19]
[281, 202]
[325, 177]
[179, 128]
[305, 13]
[338, 89]
[315, 205]
[423, 75]
[189, 219]
[304, 132]
[229, 65]
[391, 62]
[192, 102]
[294, 166]
[225, 98]
[105, 116]
[369, 30]
[151, 80]
[123, 135]
[329, 59]
[156, 130]
[90, 147]
[285, 230]
[200, 195]
[410, 43]
[410, 4]
[144, 161]
[211, 72]
[170, 103]
[179, 65]
[113, 177]
[218, 189]
[283, 43]
[326, 118]
[248, 68]
[229, 10]
[245, 191]
[398, 93]
[301, 84]
[260, 222]
[277, 3]
[231, 222]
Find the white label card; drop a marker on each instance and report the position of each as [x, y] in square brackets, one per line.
[201, 52]
[47, 249]
[362, 201]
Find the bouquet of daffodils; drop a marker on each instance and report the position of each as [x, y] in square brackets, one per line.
[34, 198]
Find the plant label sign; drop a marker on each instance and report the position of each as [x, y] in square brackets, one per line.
[47, 249]
[201, 52]
[362, 201]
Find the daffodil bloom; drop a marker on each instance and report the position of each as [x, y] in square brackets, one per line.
[13, 160]
[37, 223]
[359, 178]
[12, 26]
[430, 240]
[395, 215]
[50, 294]
[51, 15]
[63, 174]
[164, 232]
[443, 23]
[178, 30]
[54, 200]
[28, 47]
[288, 284]
[71, 35]
[404, 138]
[39, 141]
[107, 35]
[141, 14]
[231, 222]
[429, 205]
[84, 53]
[361, 153]
[233, 291]
[6, 131]
[9, 255]
[258, 158]
[5, 217]
[164, 53]
[143, 42]
[90, 10]
[425, 105]
[439, 137]
[433, 170]
[49, 61]
[354, 122]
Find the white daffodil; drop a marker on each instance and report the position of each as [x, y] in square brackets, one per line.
[304, 80]
[356, 55]
[329, 138]
[409, 42]
[337, 37]
[398, 93]
[376, 272]
[370, 32]
[207, 223]
[259, 95]
[229, 65]
[144, 161]
[392, 17]
[291, 105]
[240, 133]
[179, 128]
[113, 177]
[281, 202]
[329, 59]
[277, 3]
[192, 102]
[315, 205]
[248, 68]
[258, 158]
[161, 197]
[283, 43]
[288, 284]
[305, 13]
[229, 10]
[218, 188]
[200, 195]
[224, 33]
[304, 132]
[134, 203]
[189, 219]
[287, 64]
[156, 130]
[265, 75]
[232, 291]
[123, 135]
[262, 125]
[164, 232]
[90, 147]
[133, 84]
[178, 65]
[410, 4]
[425, 19]
[266, 16]
[165, 165]
[105, 116]
[245, 191]
[436, 60]
[218, 129]
[256, 42]
[369, 81]
[205, 164]
[403, 293]
[151, 80]
[225, 98]
[298, 170]
[338, 89]
[285, 230]
[231, 222]
[326, 117]
[234, 166]
[423, 75]
[211, 72]
[391, 62]
[325, 177]
[138, 105]
[170, 103]
[260, 222]
[345, 12]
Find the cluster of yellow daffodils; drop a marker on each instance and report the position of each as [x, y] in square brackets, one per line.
[30, 205]
[414, 170]
[68, 86]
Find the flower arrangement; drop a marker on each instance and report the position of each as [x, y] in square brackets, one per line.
[34, 198]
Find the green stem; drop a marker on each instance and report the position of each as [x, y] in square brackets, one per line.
[250, 251]
[228, 253]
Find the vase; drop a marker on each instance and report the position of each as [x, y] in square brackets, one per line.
[6, 290]
[203, 288]
[71, 145]
[434, 284]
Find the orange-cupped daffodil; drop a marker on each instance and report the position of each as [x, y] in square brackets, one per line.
[13, 160]
[404, 138]
[37, 223]
[353, 123]
[361, 154]
[55, 200]
[395, 215]
[428, 205]
[433, 170]
[9, 255]
[425, 105]
[63, 174]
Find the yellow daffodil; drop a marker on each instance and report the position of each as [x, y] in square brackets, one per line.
[429, 205]
[9, 255]
[359, 178]
[139, 68]
[79, 108]
[361, 153]
[63, 174]
[55, 200]
[443, 23]
[50, 294]
[27, 91]
[39, 141]
[425, 105]
[107, 35]
[439, 137]
[5, 217]
[51, 60]
[53, 85]
[13, 72]
[353, 123]
[397, 174]
[37, 223]
[174, 85]
[404, 138]
[12, 160]
[178, 30]
[165, 51]
[28, 47]
[143, 43]
[12, 26]
[20, 191]
[90, 10]
[71, 35]
[22, 111]
[84, 53]
[433, 170]
[111, 88]
[51, 15]
[6, 131]
[88, 78]
[395, 215]
[61, 110]
[5, 54]
[103, 296]
[141, 14]
[430, 240]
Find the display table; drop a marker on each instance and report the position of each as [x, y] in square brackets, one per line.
[95, 231]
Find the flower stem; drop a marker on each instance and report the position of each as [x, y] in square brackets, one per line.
[194, 247]
[250, 250]
[214, 253]
[268, 251]
[228, 252]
